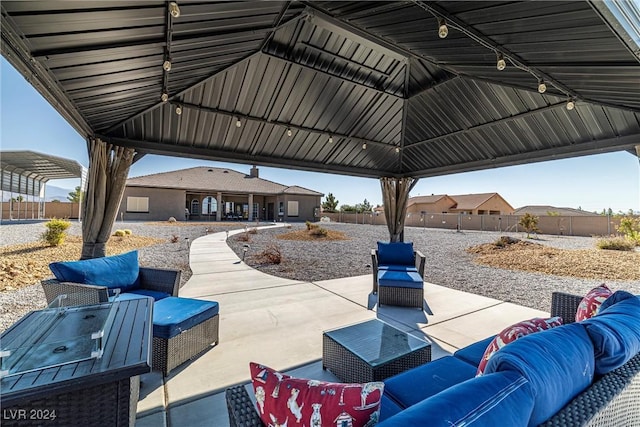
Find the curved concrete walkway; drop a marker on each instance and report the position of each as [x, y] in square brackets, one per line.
[279, 322]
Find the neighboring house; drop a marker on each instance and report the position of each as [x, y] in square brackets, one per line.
[469, 204]
[539, 210]
[208, 193]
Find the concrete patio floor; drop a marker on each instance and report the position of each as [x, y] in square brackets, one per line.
[279, 322]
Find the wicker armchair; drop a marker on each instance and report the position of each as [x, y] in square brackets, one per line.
[612, 400]
[155, 279]
[419, 263]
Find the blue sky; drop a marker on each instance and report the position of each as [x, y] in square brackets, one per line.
[593, 183]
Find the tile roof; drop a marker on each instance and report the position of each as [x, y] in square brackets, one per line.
[425, 199]
[213, 179]
[471, 201]
[543, 210]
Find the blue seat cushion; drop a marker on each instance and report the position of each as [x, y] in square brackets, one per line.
[615, 333]
[388, 408]
[414, 385]
[117, 271]
[498, 399]
[474, 352]
[172, 315]
[156, 295]
[558, 363]
[395, 253]
[400, 279]
[392, 267]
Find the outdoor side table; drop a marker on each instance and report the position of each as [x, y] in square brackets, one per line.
[371, 351]
[69, 373]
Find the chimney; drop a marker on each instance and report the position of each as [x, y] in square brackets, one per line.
[254, 172]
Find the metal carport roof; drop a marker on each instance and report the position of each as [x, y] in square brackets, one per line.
[358, 88]
[43, 166]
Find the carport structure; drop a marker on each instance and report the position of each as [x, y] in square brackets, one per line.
[389, 90]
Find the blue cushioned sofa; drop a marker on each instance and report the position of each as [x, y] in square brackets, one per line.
[578, 374]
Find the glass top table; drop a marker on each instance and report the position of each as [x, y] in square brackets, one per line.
[55, 336]
[371, 351]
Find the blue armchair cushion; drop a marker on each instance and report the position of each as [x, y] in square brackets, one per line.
[558, 363]
[498, 399]
[172, 315]
[474, 352]
[615, 333]
[117, 271]
[400, 279]
[156, 295]
[395, 253]
[392, 267]
[414, 385]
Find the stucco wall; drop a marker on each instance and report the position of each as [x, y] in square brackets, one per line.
[163, 204]
[306, 206]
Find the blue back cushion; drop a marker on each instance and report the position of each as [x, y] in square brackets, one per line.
[615, 333]
[118, 271]
[395, 253]
[498, 399]
[558, 363]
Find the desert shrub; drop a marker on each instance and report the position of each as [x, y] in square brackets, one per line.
[504, 241]
[56, 231]
[119, 233]
[174, 238]
[270, 255]
[253, 230]
[171, 219]
[243, 237]
[630, 227]
[127, 232]
[309, 225]
[318, 231]
[529, 223]
[616, 243]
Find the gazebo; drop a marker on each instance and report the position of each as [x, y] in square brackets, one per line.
[389, 90]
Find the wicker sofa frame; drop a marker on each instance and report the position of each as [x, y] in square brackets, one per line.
[154, 279]
[610, 401]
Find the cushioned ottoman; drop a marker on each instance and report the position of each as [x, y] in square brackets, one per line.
[182, 329]
[402, 288]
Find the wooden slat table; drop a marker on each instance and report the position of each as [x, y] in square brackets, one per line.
[94, 392]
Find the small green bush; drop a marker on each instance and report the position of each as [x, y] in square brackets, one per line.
[55, 233]
[630, 227]
[616, 243]
[127, 232]
[318, 231]
[119, 233]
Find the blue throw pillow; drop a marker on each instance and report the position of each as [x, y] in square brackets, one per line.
[118, 271]
[615, 333]
[499, 399]
[558, 363]
[616, 297]
[395, 253]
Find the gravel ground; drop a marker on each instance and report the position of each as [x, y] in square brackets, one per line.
[447, 263]
[15, 304]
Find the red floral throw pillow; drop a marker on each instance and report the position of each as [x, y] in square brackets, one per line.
[590, 304]
[294, 402]
[514, 332]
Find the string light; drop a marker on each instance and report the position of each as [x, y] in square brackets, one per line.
[289, 132]
[397, 149]
[542, 88]
[364, 146]
[501, 64]
[179, 110]
[571, 104]
[443, 31]
[238, 123]
[164, 97]
[166, 65]
[174, 10]
[330, 139]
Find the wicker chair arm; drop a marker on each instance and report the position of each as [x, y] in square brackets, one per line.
[242, 411]
[160, 279]
[78, 293]
[420, 261]
[565, 305]
[374, 268]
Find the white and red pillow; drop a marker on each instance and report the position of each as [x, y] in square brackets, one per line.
[514, 332]
[285, 400]
[590, 304]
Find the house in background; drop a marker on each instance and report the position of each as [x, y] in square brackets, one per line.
[216, 194]
[543, 210]
[468, 204]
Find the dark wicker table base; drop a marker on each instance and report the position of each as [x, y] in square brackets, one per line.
[350, 368]
[172, 352]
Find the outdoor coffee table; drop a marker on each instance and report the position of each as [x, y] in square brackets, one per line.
[371, 351]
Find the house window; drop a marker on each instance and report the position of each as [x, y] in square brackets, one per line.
[138, 204]
[256, 211]
[195, 207]
[209, 205]
[281, 209]
[292, 208]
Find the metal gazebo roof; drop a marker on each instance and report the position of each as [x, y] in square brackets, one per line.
[358, 88]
